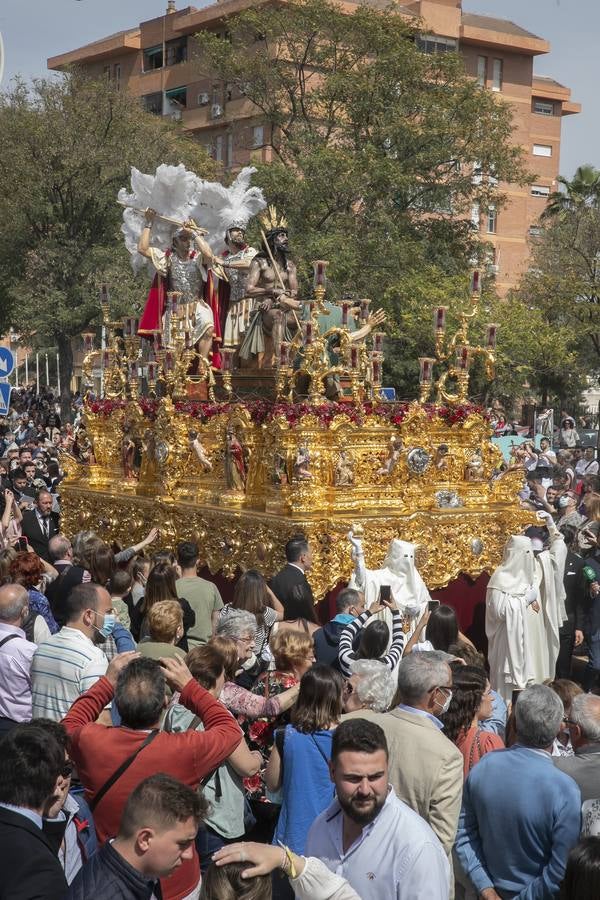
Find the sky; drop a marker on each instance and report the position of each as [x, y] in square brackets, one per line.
[33, 30]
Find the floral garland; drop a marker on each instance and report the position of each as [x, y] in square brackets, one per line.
[263, 411]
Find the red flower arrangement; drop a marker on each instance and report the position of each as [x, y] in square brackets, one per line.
[264, 411]
[106, 407]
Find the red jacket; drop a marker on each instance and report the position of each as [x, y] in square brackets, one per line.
[97, 750]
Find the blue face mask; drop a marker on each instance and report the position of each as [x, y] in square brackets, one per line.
[110, 620]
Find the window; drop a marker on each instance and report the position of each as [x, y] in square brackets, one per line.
[434, 43]
[540, 190]
[477, 176]
[117, 76]
[219, 149]
[153, 58]
[543, 107]
[176, 51]
[153, 103]
[229, 159]
[542, 150]
[492, 220]
[106, 72]
[482, 71]
[497, 75]
[258, 133]
[475, 215]
[177, 97]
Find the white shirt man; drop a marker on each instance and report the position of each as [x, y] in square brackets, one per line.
[382, 847]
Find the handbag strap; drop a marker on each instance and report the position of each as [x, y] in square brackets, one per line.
[120, 771]
[8, 637]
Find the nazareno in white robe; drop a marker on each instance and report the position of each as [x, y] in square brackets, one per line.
[398, 570]
[507, 626]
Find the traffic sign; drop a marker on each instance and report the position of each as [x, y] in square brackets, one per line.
[5, 389]
[7, 362]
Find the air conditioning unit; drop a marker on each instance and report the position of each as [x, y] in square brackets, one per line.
[216, 111]
[203, 99]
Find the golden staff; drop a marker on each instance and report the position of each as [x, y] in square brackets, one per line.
[216, 266]
[142, 212]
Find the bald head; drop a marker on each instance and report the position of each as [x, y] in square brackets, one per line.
[14, 601]
[59, 547]
[585, 714]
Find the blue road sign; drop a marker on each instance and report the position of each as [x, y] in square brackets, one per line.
[7, 362]
[5, 389]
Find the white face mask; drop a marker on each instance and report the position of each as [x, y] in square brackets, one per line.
[447, 701]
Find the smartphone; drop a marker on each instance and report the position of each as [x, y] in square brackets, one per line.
[433, 604]
[385, 593]
[22, 544]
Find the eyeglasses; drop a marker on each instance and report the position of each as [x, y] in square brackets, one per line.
[67, 770]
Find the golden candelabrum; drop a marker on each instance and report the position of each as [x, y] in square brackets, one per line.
[165, 361]
[457, 352]
[318, 356]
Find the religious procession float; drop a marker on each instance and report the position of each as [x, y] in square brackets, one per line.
[236, 412]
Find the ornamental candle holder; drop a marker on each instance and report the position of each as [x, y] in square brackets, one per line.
[458, 352]
[228, 354]
[425, 377]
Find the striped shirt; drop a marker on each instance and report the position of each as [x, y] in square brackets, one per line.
[346, 654]
[63, 668]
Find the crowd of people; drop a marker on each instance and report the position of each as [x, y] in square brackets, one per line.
[156, 742]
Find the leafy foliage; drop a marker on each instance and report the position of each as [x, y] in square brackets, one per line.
[66, 147]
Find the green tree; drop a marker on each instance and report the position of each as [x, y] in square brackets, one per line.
[373, 147]
[563, 281]
[582, 191]
[66, 147]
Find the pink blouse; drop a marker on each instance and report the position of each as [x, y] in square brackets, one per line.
[242, 702]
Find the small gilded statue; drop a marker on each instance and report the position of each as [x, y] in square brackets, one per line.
[235, 462]
[394, 457]
[474, 470]
[440, 459]
[344, 470]
[302, 464]
[280, 475]
[199, 451]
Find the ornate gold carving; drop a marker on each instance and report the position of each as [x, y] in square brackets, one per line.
[246, 523]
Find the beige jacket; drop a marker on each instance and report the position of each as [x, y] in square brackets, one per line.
[426, 769]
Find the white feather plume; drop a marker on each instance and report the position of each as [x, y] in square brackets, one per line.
[171, 191]
[217, 207]
[178, 193]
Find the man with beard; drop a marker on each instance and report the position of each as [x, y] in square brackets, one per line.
[273, 284]
[381, 846]
[70, 662]
[233, 302]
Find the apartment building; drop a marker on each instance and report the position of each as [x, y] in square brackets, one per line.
[155, 61]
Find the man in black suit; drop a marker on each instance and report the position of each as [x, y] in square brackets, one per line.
[40, 524]
[32, 784]
[290, 585]
[61, 557]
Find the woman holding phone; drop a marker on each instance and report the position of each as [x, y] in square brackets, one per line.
[437, 629]
[10, 523]
[374, 636]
